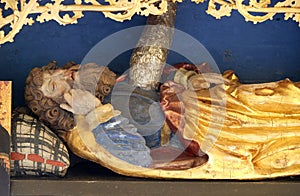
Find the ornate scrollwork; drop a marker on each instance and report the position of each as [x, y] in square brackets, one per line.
[254, 10]
[26, 12]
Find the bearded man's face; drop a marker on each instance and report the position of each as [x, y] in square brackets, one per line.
[57, 82]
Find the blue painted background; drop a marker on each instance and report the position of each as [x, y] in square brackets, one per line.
[258, 53]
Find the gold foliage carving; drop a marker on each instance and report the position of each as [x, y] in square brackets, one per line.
[64, 14]
[254, 10]
[26, 12]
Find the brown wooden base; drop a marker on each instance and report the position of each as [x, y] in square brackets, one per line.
[87, 178]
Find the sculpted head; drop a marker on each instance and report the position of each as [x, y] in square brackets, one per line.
[45, 88]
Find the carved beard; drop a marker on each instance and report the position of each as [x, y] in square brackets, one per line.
[86, 79]
[59, 100]
[89, 77]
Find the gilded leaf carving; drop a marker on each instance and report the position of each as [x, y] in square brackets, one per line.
[120, 10]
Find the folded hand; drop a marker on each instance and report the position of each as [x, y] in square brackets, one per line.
[80, 101]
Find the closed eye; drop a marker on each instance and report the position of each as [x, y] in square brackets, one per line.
[51, 86]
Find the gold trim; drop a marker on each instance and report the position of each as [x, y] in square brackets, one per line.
[5, 105]
[121, 10]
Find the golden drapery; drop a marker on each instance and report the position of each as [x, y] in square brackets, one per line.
[256, 125]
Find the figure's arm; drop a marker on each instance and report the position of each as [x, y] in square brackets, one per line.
[80, 102]
[101, 130]
[101, 114]
[194, 81]
[84, 103]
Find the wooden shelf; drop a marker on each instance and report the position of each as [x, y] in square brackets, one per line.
[91, 179]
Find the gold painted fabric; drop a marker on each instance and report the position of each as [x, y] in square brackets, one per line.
[253, 127]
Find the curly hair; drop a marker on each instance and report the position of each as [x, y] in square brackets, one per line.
[46, 108]
[49, 110]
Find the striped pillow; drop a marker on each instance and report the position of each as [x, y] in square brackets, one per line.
[35, 149]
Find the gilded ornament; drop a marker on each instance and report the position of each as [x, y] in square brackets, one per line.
[120, 10]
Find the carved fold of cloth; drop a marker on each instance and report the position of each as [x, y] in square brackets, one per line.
[122, 140]
[247, 130]
[171, 104]
[168, 150]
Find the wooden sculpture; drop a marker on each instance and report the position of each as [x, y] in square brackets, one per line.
[243, 131]
[236, 131]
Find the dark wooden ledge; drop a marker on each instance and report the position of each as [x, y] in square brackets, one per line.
[90, 179]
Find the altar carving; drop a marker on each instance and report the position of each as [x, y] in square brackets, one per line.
[237, 131]
[224, 129]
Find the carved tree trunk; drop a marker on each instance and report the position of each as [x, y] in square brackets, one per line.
[150, 55]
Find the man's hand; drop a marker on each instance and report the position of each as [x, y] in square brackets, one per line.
[80, 101]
